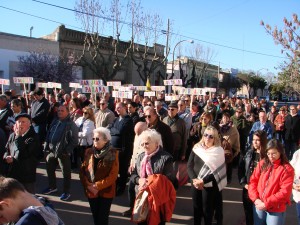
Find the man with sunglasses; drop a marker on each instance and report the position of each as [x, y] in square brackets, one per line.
[104, 117]
[292, 132]
[178, 129]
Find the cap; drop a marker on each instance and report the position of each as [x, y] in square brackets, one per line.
[173, 105]
[23, 115]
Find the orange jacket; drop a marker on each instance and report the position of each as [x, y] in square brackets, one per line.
[161, 198]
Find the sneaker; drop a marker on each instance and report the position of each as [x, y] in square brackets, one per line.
[65, 196]
[48, 191]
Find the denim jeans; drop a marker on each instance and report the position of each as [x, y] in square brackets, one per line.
[298, 212]
[269, 218]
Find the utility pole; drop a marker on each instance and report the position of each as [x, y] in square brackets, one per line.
[167, 48]
[218, 78]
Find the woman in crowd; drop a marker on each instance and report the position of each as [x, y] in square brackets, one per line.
[296, 186]
[86, 125]
[75, 109]
[279, 124]
[230, 133]
[247, 165]
[154, 160]
[198, 128]
[98, 175]
[270, 186]
[207, 171]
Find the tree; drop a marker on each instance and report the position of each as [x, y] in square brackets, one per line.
[45, 67]
[289, 38]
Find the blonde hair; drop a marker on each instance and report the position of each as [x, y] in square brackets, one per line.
[217, 141]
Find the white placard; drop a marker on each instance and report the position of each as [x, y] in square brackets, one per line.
[149, 93]
[23, 80]
[122, 94]
[173, 82]
[113, 83]
[169, 98]
[207, 89]
[91, 82]
[5, 82]
[198, 91]
[140, 88]
[158, 88]
[94, 89]
[42, 85]
[74, 85]
[54, 85]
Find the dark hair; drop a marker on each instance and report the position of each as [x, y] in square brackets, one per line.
[133, 104]
[77, 102]
[226, 114]
[274, 144]
[16, 102]
[263, 142]
[9, 187]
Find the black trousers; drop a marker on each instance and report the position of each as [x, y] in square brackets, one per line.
[248, 207]
[100, 208]
[124, 160]
[204, 204]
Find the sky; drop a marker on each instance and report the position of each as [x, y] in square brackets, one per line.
[231, 29]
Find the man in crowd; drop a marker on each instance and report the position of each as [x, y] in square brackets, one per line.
[178, 129]
[61, 140]
[104, 117]
[292, 132]
[132, 111]
[17, 206]
[122, 136]
[262, 124]
[153, 122]
[160, 110]
[185, 114]
[22, 151]
[39, 113]
[5, 112]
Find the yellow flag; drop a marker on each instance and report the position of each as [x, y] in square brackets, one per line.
[148, 85]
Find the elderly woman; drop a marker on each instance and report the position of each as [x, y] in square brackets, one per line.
[270, 186]
[86, 125]
[98, 175]
[207, 171]
[247, 165]
[154, 160]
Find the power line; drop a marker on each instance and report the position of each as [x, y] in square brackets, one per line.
[127, 23]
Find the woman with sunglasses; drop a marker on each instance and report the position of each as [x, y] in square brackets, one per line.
[86, 125]
[207, 171]
[270, 186]
[98, 175]
[246, 167]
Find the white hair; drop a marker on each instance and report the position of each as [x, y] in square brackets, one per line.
[104, 132]
[153, 135]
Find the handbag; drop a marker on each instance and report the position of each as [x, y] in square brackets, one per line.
[141, 207]
[182, 175]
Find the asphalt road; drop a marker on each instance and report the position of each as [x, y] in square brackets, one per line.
[76, 211]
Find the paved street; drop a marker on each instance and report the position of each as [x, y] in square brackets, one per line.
[77, 212]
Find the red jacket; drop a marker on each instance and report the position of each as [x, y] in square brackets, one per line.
[273, 186]
[161, 198]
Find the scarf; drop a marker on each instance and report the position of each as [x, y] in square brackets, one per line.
[225, 127]
[98, 154]
[214, 163]
[171, 121]
[146, 168]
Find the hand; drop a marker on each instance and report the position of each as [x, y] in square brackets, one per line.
[198, 184]
[93, 189]
[17, 129]
[9, 159]
[182, 158]
[246, 186]
[259, 204]
[143, 182]
[130, 169]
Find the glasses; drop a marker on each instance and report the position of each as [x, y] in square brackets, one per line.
[145, 143]
[180, 105]
[239, 112]
[171, 109]
[85, 113]
[148, 116]
[208, 136]
[149, 104]
[96, 139]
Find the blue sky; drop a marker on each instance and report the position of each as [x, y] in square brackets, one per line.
[234, 23]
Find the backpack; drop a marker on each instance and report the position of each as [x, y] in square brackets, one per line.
[227, 150]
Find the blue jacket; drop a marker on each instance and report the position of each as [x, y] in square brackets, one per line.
[257, 126]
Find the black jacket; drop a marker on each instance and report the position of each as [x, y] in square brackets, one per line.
[292, 128]
[39, 111]
[25, 151]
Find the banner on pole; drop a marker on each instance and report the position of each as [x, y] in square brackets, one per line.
[23, 80]
[173, 82]
[42, 85]
[94, 89]
[54, 85]
[74, 85]
[114, 83]
[149, 93]
[5, 82]
[91, 82]
[122, 94]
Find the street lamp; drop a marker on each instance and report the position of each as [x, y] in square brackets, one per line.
[190, 41]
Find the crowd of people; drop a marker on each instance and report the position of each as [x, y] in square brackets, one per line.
[139, 143]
